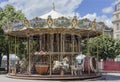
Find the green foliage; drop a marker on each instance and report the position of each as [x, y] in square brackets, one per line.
[104, 47]
[84, 46]
[21, 49]
[8, 14]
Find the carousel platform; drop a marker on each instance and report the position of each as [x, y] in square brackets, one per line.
[53, 77]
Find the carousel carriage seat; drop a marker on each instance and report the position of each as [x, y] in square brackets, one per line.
[42, 69]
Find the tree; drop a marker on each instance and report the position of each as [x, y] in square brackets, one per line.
[8, 14]
[104, 46]
[84, 46]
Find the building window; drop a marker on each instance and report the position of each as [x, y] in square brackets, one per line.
[117, 35]
[118, 26]
[117, 16]
[117, 6]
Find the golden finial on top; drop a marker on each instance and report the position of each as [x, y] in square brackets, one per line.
[53, 6]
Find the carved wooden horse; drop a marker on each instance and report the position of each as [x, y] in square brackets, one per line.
[61, 64]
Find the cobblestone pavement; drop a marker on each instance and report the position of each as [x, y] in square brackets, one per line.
[107, 77]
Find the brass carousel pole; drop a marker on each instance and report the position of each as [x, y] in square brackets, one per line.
[64, 43]
[15, 45]
[61, 36]
[97, 58]
[8, 55]
[48, 39]
[73, 38]
[79, 41]
[51, 41]
[40, 42]
[88, 53]
[15, 55]
[61, 50]
[44, 42]
[29, 61]
[58, 46]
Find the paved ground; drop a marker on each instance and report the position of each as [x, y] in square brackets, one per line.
[107, 77]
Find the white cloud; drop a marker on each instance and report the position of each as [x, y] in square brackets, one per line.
[102, 18]
[33, 8]
[110, 8]
[90, 16]
[107, 10]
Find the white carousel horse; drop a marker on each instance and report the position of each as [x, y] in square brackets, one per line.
[61, 64]
[77, 69]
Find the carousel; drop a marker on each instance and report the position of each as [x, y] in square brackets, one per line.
[52, 44]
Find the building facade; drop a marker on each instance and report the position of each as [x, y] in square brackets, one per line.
[116, 21]
[108, 31]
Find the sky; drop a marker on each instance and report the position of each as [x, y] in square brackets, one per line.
[101, 10]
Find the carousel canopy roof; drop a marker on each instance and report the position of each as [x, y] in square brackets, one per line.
[37, 26]
[54, 22]
[53, 15]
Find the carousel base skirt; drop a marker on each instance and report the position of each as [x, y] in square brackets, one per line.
[53, 77]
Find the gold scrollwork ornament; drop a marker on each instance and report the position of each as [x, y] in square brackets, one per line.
[74, 22]
[26, 23]
[49, 21]
[94, 24]
[10, 27]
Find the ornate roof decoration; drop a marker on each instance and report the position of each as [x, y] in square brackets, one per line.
[36, 26]
[84, 23]
[37, 22]
[61, 22]
[53, 22]
[53, 6]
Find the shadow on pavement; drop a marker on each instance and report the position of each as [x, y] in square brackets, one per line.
[108, 77]
[111, 77]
